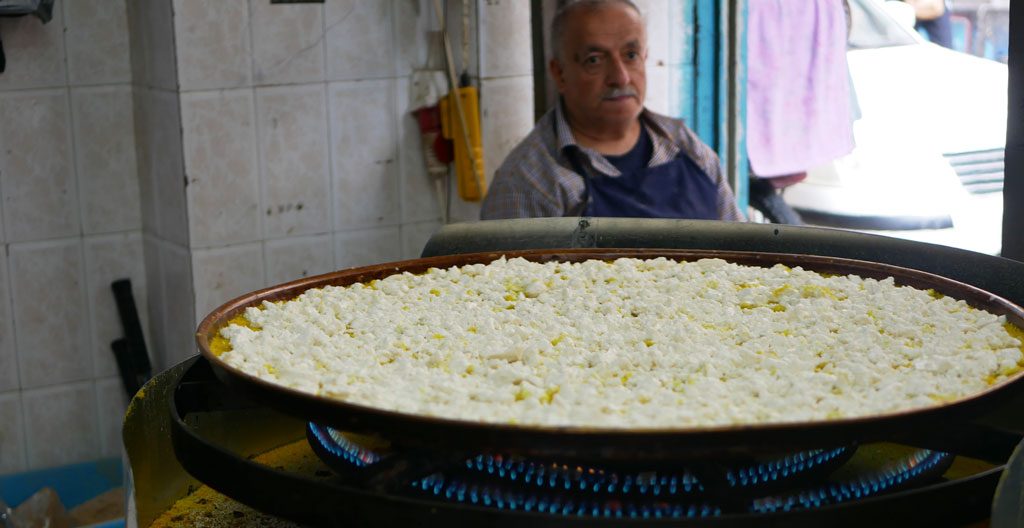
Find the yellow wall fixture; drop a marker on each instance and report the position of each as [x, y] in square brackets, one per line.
[464, 131]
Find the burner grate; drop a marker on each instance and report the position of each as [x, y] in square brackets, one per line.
[478, 494]
[784, 468]
[557, 477]
[512, 483]
[918, 464]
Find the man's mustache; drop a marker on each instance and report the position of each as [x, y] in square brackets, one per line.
[620, 92]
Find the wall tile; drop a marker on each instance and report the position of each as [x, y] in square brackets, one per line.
[292, 258]
[167, 166]
[12, 434]
[506, 42]
[109, 258]
[296, 184]
[111, 404]
[365, 154]
[287, 42]
[141, 117]
[48, 289]
[179, 323]
[359, 42]
[416, 48]
[367, 246]
[50, 414]
[212, 44]
[105, 155]
[34, 51]
[415, 236]
[37, 177]
[159, 66]
[220, 161]
[156, 306]
[8, 356]
[419, 191]
[134, 16]
[221, 274]
[97, 42]
[454, 21]
[504, 124]
[461, 210]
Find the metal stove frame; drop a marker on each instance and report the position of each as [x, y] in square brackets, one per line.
[212, 432]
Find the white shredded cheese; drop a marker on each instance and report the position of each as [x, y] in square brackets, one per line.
[629, 343]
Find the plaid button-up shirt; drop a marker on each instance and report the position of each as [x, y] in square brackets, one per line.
[537, 178]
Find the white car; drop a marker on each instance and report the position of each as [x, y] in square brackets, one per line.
[930, 141]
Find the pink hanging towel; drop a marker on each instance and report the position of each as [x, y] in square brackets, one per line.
[798, 91]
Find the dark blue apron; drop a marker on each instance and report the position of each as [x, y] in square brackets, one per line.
[676, 189]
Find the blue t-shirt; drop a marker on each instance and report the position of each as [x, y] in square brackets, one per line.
[637, 157]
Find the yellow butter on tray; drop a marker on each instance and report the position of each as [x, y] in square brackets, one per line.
[629, 343]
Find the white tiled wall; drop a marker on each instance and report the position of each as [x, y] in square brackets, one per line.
[219, 136]
[505, 40]
[151, 33]
[297, 136]
[177, 312]
[35, 52]
[166, 168]
[296, 257]
[71, 224]
[50, 413]
[109, 258]
[50, 312]
[108, 180]
[367, 246]
[419, 195]
[415, 236]
[12, 435]
[364, 149]
[504, 123]
[40, 195]
[223, 273]
[293, 156]
[96, 43]
[286, 43]
[207, 149]
[8, 357]
[359, 39]
[111, 402]
[212, 44]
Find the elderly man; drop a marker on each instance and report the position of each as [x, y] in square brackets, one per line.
[599, 152]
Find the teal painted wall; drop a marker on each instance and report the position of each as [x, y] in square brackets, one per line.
[715, 59]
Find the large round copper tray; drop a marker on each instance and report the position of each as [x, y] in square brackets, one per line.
[935, 426]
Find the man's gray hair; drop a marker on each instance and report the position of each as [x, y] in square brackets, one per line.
[565, 7]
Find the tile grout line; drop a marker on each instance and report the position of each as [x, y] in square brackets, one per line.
[261, 177]
[9, 301]
[84, 262]
[332, 203]
[396, 126]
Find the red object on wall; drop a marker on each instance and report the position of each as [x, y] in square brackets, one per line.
[429, 120]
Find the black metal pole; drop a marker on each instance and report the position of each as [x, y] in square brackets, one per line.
[1013, 190]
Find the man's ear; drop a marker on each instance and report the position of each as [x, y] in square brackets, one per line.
[557, 73]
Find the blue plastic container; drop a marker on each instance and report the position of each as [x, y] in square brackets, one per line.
[75, 484]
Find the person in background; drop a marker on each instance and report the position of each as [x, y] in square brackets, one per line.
[799, 103]
[599, 152]
[933, 17]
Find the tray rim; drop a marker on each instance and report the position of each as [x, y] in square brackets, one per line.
[358, 417]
